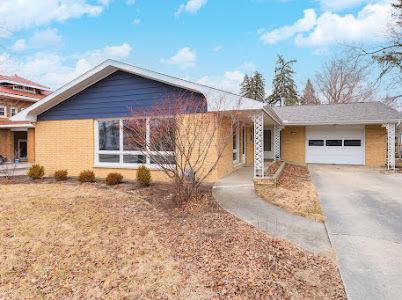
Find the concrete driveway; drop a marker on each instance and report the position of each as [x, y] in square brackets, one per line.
[363, 210]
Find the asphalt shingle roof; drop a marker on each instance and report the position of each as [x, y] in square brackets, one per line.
[358, 112]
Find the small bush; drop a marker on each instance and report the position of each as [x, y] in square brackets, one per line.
[144, 176]
[114, 178]
[86, 176]
[61, 175]
[36, 172]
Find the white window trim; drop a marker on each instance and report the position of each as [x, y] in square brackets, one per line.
[237, 149]
[121, 152]
[5, 111]
[16, 111]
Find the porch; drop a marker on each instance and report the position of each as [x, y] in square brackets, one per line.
[17, 143]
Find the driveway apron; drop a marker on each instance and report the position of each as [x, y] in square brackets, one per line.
[363, 212]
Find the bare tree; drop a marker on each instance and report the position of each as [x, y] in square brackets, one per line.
[344, 80]
[309, 96]
[183, 140]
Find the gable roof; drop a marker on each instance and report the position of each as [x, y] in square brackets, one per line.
[347, 113]
[15, 79]
[217, 100]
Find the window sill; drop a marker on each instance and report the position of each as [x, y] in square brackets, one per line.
[126, 166]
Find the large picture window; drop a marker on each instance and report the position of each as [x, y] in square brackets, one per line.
[118, 143]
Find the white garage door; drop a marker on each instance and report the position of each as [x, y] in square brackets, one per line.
[335, 144]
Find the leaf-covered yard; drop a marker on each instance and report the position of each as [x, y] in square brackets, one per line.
[63, 240]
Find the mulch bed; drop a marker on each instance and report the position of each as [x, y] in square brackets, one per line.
[294, 192]
[273, 167]
[215, 255]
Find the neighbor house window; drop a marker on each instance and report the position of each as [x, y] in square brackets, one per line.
[333, 142]
[119, 142]
[13, 111]
[316, 142]
[3, 111]
[353, 143]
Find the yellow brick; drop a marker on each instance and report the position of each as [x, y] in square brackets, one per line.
[376, 146]
[293, 149]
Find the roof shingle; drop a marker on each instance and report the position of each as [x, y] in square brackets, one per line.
[357, 112]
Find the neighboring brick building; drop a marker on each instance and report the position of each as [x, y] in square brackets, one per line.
[17, 138]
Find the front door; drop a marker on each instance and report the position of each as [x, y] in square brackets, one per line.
[268, 153]
[22, 149]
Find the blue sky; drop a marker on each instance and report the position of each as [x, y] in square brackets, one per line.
[214, 42]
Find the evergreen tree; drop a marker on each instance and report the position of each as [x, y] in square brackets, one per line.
[309, 94]
[246, 87]
[258, 87]
[283, 84]
[253, 87]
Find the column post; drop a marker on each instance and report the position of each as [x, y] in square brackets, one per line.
[390, 145]
[259, 144]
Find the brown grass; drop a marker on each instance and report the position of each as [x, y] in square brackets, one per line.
[91, 241]
[295, 193]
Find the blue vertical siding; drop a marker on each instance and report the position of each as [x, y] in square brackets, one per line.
[117, 95]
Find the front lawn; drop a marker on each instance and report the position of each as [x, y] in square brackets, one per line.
[64, 240]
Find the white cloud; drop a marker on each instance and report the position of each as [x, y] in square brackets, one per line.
[192, 6]
[47, 37]
[368, 25]
[53, 70]
[304, 24]
[248, 66]
[17, 15]
[136, 22]
[341, 4]
[230, 81]
[130, 2]
[218, 48]
[19, 45]
[184, 58]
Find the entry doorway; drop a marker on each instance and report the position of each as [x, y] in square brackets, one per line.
[268, 149]
[21, 145]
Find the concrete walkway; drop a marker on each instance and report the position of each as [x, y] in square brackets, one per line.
[363, 213]
[236, 194]
[19, 169]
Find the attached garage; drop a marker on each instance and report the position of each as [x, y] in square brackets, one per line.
[335, 144]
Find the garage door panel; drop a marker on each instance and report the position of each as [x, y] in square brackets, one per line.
[335, 154]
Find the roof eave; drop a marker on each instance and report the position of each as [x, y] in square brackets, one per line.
[359, 122]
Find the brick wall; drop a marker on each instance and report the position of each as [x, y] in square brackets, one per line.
[69, 144]
[293, 149]
[376, 146]
[31, 145]
[9, 103]
[6, 143]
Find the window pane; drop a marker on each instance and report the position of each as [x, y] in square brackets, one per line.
[334, 142]
[2, 110]
[134, 135]
[134, 159]
[352, 143]
[162, 135]
[109, 135]
[109, 158]
[316, 142]
[163, 159]
[267, 140]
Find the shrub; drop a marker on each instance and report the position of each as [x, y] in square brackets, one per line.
[86, 176]
[144, 176]
[36, 172]
[114, 178]
[61, 175]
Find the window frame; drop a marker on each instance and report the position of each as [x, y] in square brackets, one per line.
[121, 152]
[360, 143]
[341, 144]
[4, 115]
[11, 111]
[316, 140]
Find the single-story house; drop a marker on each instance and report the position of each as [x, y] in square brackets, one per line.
[70, 126]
